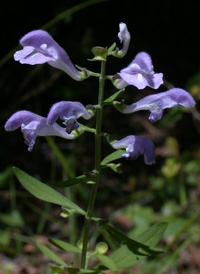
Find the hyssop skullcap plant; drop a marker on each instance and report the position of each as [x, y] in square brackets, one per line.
[38, 48]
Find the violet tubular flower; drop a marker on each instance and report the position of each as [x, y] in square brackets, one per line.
[124, 37]
[39, 48]
[135, 146]
[139, 73]
[33, 125]
[156, 103]
[69, 112]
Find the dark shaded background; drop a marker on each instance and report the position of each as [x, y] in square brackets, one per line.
[167, 30]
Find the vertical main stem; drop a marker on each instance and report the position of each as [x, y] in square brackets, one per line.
[97, 165]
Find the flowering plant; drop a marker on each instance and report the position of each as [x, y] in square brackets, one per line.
[39, 48]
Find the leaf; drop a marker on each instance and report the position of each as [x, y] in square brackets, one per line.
[113, 156]
[71, 182]
[114, 96]
[124, 257]
[111, 48]
[44, 192]
[107, 261]
[51, 255]
[55, 269]
[65, 246]
[13, 219]
[115, 167]
[134, 246]
[90, 271]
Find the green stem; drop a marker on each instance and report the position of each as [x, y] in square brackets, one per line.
[97, 165]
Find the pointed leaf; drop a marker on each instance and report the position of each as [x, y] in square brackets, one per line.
[123, 256]
[115, 167]
[106, 261]
[114, 96]
[111, 48]
[71, 182]
[113, 156]
[51, 255]
[134, 246]
[65, 246]
[44, 192]
[89, 271]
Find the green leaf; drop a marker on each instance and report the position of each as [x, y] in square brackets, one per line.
[5, 238]
[107, 261]
[65, 246]
[111, 48]
[124, 257]
[71, 182]
[44, 192]
[12, 218]
[51, 255]
[55, 269]
[135, 247]
[114, 96]
[119, 106]
[90, 271]
[115, 167]
[113, 156]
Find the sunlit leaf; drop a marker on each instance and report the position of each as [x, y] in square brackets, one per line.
[44, 192]
[124, 257]
[135, 247]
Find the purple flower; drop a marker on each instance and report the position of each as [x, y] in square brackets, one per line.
[156, 103]
[33, 125]
[39, 48]
[124, 37]
[69, 112]
[135, 146]
[139, 73]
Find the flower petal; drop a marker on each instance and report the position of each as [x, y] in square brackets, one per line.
[140, 73]
[69, 112]
[137, 79]
[156, 103]
[135, 146]
[28, 55]
[124, 37]
[40, 47]
[33, 125]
